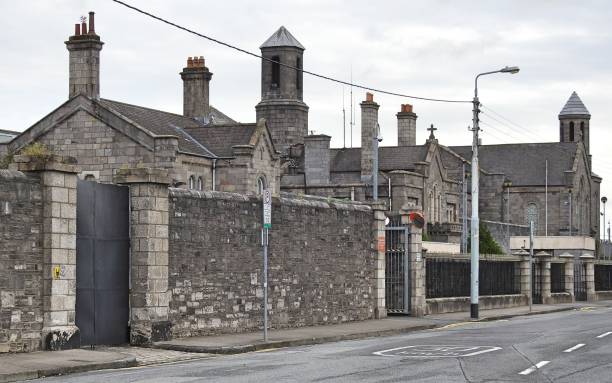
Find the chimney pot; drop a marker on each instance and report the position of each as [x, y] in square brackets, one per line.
[406, 108]
[369, 97]
[77, 29]
[189, 62]
[92, 30]
[83, 27]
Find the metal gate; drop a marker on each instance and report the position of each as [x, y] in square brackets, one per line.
[102, 259]
[536, 283]
[397, 269]
[580, 289]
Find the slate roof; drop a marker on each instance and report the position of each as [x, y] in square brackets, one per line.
[389, 158]
[574, 106]
[282, 38]
[7, 135]
[525, 164]
[220, 138]
[162, 123]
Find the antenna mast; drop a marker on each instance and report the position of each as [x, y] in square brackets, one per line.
[343, 121]
[352, 122]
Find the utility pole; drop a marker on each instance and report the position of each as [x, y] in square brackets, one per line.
[475, 257]
[375, 141]
[604, 200]
[464, 211]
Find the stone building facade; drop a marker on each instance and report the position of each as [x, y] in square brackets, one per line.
[203, 149]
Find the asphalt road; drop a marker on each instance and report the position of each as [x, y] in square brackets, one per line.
[571, 346]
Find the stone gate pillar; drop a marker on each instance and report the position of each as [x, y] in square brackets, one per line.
[569, 275]
[546, 279]
[378, 231]
[526, 278]
[149, 295]
[418, 302]
[589, 262]
[59, 195]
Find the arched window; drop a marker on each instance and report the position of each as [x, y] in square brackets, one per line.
[200, 183]
[275, 83]
[571, 135]
[582, 130]
[191, 182]
[561, 138]
[531, 214]
[261, 185]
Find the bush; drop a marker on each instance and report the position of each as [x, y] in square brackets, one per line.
[5, 161]
[486, 244]
[36, 150]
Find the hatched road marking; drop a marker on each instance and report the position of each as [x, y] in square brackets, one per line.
[436, 351]
[576, 347]
[533, 368]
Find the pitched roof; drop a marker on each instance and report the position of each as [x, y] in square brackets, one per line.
[282, 38]
[389, 158]
[574, 106]
[7, 135]
[220, 138]
[525, 164]
[164, 123]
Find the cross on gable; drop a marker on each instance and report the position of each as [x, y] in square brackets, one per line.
[431, 132]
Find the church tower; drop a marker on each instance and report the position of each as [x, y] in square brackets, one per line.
[574, 122]
[282, 90]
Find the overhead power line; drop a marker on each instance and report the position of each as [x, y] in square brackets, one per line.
[282, 64]
[514, 124]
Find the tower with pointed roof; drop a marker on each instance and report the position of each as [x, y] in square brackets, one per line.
[282, 91]
[574, 122]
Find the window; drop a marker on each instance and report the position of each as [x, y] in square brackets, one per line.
[200, 183]
[582, 130]
[191, 182]
[298, 73]
[275, 72]
[571, 136]
[531, 214]
[451, 209]
[561, 138]
[261, 185]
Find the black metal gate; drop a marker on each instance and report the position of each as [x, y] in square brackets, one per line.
[102, 259]
[580, 289]
[536, 283]
[397, 269]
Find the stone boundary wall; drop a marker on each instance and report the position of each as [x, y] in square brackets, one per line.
[21, 261]
[322, 262]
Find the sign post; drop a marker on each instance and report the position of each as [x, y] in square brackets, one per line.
[267, 224]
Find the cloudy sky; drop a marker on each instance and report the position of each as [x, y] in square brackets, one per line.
[425, 48]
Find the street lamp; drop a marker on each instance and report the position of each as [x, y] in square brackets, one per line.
[475, 169]
[604, 200]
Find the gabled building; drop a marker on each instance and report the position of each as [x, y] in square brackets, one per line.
[203, 148]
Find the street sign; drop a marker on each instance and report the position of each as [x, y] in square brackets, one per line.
[267, 209]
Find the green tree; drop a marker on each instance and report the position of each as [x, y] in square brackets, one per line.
[487, 244]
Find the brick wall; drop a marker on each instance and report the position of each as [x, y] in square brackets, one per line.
[322, 263]
[21, 262]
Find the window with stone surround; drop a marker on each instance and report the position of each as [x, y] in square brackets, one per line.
[261, 185]
[191, 182]
[275, 83]
[200, 183]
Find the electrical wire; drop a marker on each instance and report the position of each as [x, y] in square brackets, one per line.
[282, 64]
[502, 131]
[515, 125]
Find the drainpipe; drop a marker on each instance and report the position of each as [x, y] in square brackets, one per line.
[390, 197]
[214, 173]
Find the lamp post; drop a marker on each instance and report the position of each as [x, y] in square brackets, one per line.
[475, 169]
[604, 200]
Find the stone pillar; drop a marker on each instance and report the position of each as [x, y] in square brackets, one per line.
[546, 281]
[316, 159]
[589, 262]
[418, 302]
[369, 119]
[149, 295]
[196, 78]
[406, 126]
[526, 277]
[569, 275]
[58, 184]
[378, 234]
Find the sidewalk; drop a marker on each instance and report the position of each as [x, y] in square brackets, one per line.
[247, 342]
[14, 367]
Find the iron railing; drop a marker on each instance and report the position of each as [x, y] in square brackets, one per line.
[603, 277]
[557, 277]
[447, 277]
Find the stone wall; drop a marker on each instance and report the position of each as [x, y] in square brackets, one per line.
[322, 262]
[21, 261]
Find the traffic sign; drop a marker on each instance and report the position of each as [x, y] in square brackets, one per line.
[267, 209]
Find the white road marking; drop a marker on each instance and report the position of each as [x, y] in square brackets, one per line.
[605, 334]
[576, 347]
[436, 351]
[533, 368]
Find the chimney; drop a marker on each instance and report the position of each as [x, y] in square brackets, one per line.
[369, 119]
[84, 60]
[196, 78]
[406, 126]
[316, 159]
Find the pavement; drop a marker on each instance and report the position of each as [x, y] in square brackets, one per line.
[16, 367]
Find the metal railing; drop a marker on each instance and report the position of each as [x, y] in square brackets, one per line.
[450, 277]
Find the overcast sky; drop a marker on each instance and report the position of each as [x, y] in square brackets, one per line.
[426, 48]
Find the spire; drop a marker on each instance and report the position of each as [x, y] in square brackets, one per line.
[282, 38]
[574, 107]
